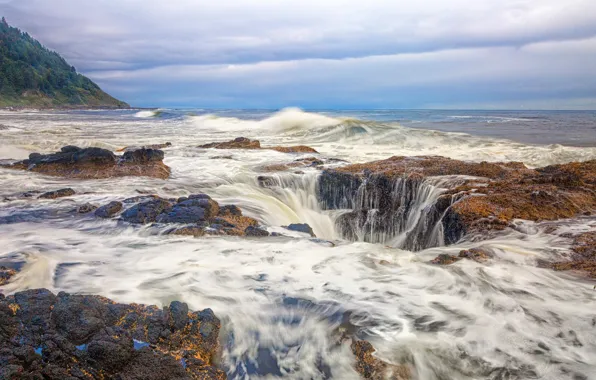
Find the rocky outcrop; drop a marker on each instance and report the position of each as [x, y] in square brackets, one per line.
[413, 199]
[245, 143]
[94, 163]
[195, 215]
[57, 194]
[308, 162]
[583, 255]
[65, 336]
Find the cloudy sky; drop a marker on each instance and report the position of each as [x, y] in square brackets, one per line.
[515, 54]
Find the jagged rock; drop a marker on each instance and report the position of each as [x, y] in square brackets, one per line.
[255, 232]
[301, 227]
[369, 367]
[86, 208]
[93, 163]
[76, 336]
[6, 274]
[109, 210]
[57, 194]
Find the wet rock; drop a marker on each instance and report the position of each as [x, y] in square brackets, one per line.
[146, 212]
[74, 336]
[444, 259]
[192, 210]
[301, 227]
[142, 156]
[476, 254]
[92, 163]
[109, 210]
[67, 192]
[189, 231]
[383, 195]
[300, 163]
[237, 143]
[6, 274]
[583, 255]
[369, 367]
[86, 208]
[255, 231]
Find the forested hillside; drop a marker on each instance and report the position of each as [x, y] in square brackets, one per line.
[32, 75]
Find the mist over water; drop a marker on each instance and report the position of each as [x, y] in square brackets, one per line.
[286, 301]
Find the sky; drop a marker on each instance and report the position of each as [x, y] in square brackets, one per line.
[321, 54]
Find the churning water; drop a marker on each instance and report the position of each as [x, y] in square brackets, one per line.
[285, 301]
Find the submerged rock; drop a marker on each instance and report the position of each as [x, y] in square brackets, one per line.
[445, 259]
[109, 210]
[583, 255]
[86, 208]
[152, 146]
[79, 336]
[237, 143]
[146, 212]
[6, 274]
[301, 227]
[57, 194]
[300, 163]
[294, 149]
[369, 367]
[255, 231]
[92, 163]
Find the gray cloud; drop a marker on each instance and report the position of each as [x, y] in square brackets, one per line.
[335, 52]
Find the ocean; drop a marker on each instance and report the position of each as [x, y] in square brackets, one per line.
[283, 301]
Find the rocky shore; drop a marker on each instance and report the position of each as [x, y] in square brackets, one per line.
[65, 336]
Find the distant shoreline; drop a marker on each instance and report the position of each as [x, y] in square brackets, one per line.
[71, 108]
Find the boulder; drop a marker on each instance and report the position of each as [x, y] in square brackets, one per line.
[76, 336]
[255, 231]
[67, 192]
[94, 163]
[86, 208]
[301, 227]
[109, 210]
[146, 212]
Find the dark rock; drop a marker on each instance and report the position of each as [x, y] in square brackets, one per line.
[301, 227]
[86, 208]
[198, 208]
[255, 231]
[57, 194]
[143, 155]
[70, 149]
[178, 315]
[88, 163]
[79, 337]
[109, 210]
[146, 212]
[196, 230]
